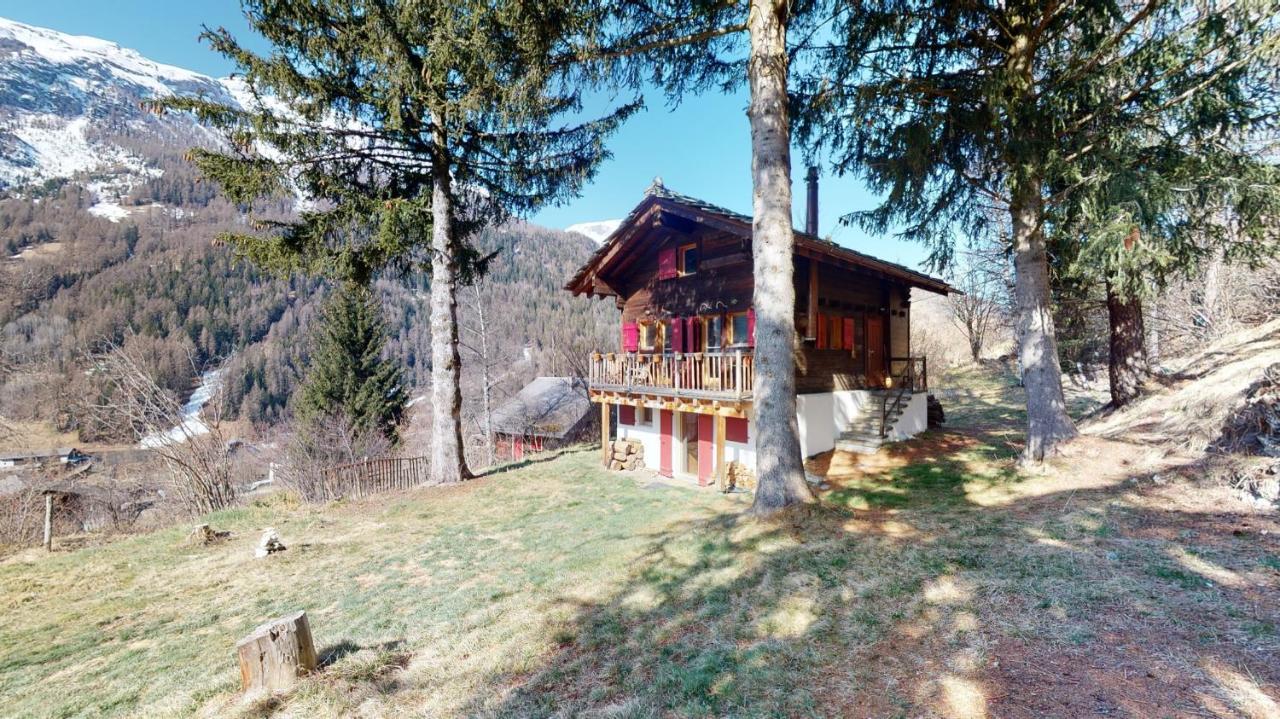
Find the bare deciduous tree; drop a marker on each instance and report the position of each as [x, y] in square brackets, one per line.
[979, 312]
[192, 449]
[321, 445]
[477, 342]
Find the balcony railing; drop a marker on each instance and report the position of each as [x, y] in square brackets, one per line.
[704, 375]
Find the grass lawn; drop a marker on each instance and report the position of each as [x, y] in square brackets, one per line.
[933, 580]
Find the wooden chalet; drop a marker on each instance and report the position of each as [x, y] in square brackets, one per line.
[545, 414]
[680, 272]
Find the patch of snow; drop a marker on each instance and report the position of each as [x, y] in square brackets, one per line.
[192, 425]
[109, 210]
[597, 231]
[78, 50]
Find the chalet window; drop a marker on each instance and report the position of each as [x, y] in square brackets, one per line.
[836, 334]
[666, 335]
[687, 259]
[644, 416]
[649, 335]
[713, 331]
[739, 330]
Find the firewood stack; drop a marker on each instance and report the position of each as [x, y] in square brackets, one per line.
[738, 476]
[627, 454]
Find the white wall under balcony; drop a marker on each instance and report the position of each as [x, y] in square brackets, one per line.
[914, 419]
[650, 437]
[646, 434]
[823, 416]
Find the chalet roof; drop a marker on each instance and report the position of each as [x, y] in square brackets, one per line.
[546, 407]
[36, 454]
[702, 212]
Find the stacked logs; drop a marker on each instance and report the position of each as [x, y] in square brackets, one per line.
[738, 476]
[626, 454]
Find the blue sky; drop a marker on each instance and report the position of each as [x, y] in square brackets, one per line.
[700, 148]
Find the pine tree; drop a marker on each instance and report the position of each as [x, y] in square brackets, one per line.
[1167, 206]
[950, 109]
[409, 125]
[348, 374]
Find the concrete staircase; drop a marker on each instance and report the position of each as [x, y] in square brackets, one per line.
[862, 435]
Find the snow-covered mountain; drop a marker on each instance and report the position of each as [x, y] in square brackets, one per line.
[70, 104]
[597, 231]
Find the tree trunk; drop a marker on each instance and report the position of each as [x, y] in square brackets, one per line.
[1127, 364]
[975, 336]
[779, 464]
[1211, 302]
[1047, 419]
[275, 655]
[447, 461]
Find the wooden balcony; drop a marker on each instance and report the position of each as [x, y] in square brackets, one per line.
[701, 375]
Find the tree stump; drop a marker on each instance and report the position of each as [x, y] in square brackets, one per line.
[276, 654]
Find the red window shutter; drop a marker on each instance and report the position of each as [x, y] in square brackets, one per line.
[626, 414]
[630, 337]
[848, 333]
[667, 263]
[822, 332]
[677, 334]
[751, 327]
[692, 330]
[735, 429]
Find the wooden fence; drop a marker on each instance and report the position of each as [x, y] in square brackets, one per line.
[371, 476]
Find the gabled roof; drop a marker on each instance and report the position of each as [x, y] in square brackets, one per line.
[658, 199]
[546, 407]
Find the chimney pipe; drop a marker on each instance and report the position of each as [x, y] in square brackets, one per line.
[811, 215]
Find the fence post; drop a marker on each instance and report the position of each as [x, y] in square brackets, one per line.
[48, 521]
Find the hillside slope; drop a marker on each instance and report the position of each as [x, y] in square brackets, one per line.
[936, 582]
[1203, 392]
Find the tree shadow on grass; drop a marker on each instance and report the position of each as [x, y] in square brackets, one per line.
[903, 598]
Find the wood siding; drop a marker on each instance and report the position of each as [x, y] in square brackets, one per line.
[724, 284]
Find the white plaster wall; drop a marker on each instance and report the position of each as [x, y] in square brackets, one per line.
[914, 419]
[823, 416]
[647, 435]
[744, 452]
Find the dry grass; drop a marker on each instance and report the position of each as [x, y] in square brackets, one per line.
[933, 581]
[1206, 387]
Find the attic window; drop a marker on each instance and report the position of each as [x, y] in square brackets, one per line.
[687, 259]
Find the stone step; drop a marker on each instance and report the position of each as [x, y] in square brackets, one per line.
[859, 436]
[858, 447]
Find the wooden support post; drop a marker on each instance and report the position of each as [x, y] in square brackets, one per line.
[275, 655]
[811, 332]
[605, 445]
[48, 521]
[721, 470]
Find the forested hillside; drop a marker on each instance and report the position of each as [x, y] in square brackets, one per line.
[75, 282]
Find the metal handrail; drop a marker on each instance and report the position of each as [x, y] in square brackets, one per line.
[907, 381]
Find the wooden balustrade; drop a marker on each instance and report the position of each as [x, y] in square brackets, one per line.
[713, 375]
